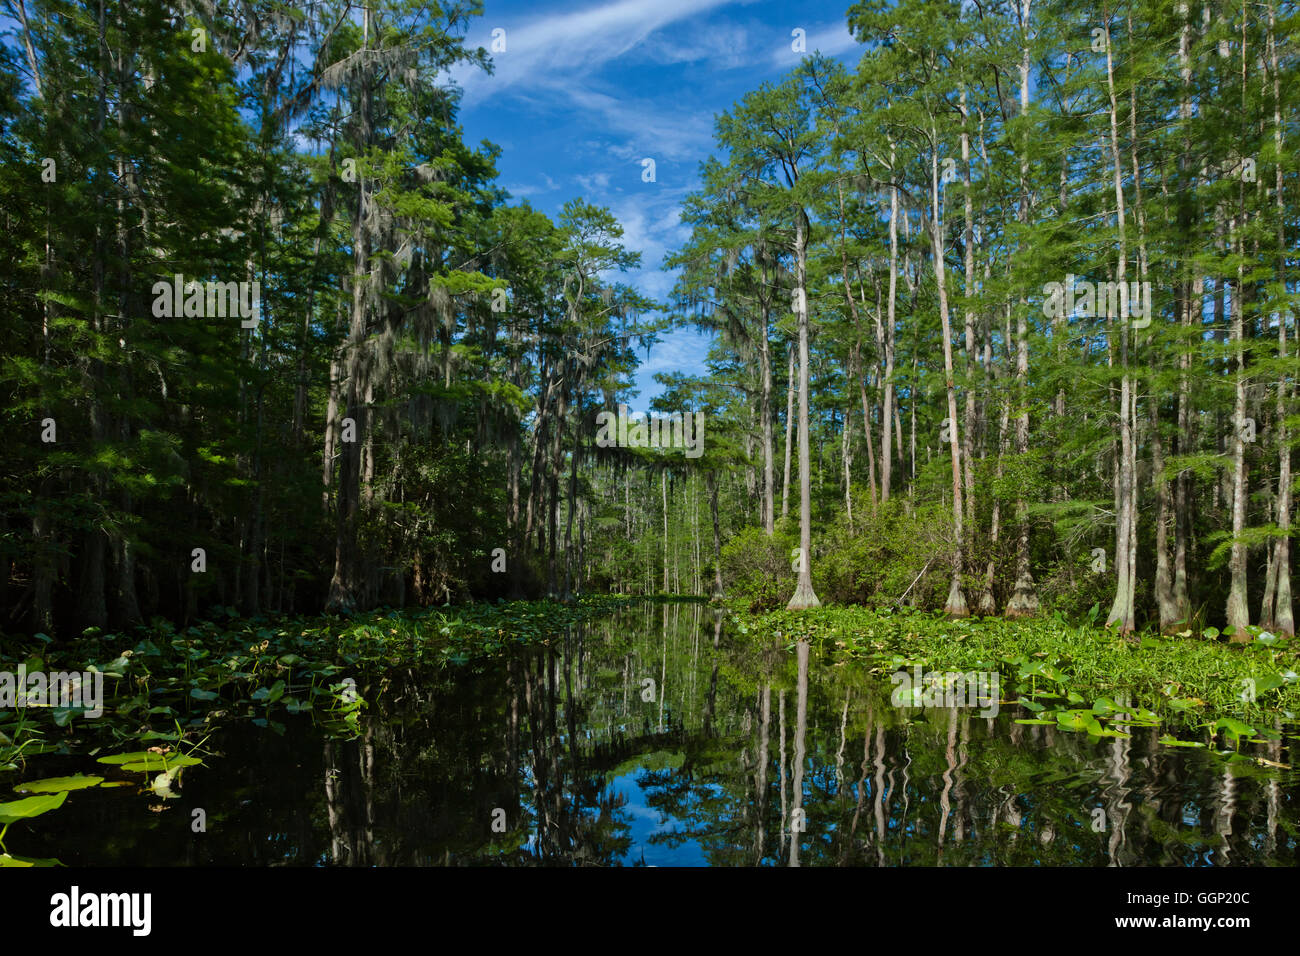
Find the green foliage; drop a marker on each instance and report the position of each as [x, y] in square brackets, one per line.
[756, 567]
[885, 553]
[1052, 666]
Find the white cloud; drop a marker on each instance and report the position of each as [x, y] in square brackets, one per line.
[649, 131]
[596, 182]
[651, 226]
[555, 50]
[830, 40]
[726, 47]
[548, 185]
[682, 351]
[551, 64]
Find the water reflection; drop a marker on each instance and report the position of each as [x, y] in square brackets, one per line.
[656, 738]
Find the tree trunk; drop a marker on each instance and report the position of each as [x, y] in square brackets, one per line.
[955, 606]
[1024, 597]
[765, 410]
[1283, 613]
[804, 596]
[711, 480]
[789, 433]
[1238, 611]
[1121, 613]
[888, 414]
[345, 585]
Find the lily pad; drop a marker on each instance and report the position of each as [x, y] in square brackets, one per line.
[156, 763]
[24, 862]
[60, 784]
[1268, 681]
[30, 807]
[142, 760]
[269, 694]
[1234, 728]
[1078, 720]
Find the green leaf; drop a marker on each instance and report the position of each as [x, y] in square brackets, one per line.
[59, 784]
[30, 807]
[1268, 681]
[142, 760]
[1078, 720]
[7, 861]
[1234, 728]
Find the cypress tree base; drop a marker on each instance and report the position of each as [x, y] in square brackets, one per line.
[956, 603]
[1024, 599]
[804, 597]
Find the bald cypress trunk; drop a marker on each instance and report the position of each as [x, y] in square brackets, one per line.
[1121, 614]
[1283, 614]
[789, 433]
[888, 414]
[804, 596]
[1024, 596]
[345, 584]
[955, 606]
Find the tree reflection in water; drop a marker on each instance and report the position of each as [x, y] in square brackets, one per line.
[656, 737]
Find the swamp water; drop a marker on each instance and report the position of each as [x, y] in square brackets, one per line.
[655, 737]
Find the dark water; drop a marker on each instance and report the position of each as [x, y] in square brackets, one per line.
[567, 755]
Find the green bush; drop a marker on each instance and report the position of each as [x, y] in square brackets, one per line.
[757, 568]
[876, 561]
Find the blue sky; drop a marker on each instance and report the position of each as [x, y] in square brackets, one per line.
[584, 92]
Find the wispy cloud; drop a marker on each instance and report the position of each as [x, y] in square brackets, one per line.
[594, 182]
[680, 351]
[651, 220]
[547, 185]
[650, 129]
[723, 47]
[830, 39]
[553, 51]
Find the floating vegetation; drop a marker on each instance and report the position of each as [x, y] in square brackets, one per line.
[1074, 677]
[172, 688]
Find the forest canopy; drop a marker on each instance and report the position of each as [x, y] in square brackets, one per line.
[1001, 309]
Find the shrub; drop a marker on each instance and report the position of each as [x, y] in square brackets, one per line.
[757, 568]
[876, 561]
